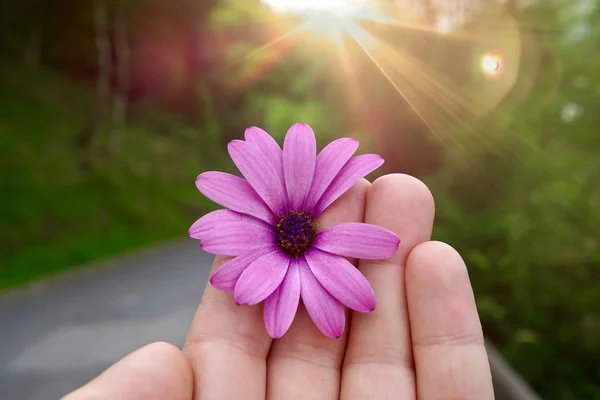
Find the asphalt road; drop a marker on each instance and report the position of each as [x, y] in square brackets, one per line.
[57, 335]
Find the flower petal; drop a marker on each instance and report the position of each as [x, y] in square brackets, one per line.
[329, 163]
[326, 312]
[342, 280]
[261, 278]
[355, 169]
[299, 159]
[235, 238]
[226, 276]
[358, 240]
[234, 193]
[205, 225]
[281, 306]
[268, 145]
[259, 171]
[265, 142]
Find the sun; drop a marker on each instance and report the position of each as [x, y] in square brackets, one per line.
[335, 7]
[326, 18]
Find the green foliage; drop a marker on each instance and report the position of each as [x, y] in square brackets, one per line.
[56, 215]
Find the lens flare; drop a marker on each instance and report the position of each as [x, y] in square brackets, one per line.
[491, 64]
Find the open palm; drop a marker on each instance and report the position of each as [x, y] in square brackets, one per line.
[423, 341]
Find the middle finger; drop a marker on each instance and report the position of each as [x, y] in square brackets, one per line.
[305, 364]
[379, 362]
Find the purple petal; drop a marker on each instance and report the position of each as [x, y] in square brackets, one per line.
[329, 163]
[354, 170]
[342, 280]
[235, 238]
[205, 225]
[259, 171]
[326, 312]
[234, 193]
[226, 276]
[299, 159]
[281, 306]
[358, 240]
[265, 142]
[261, 278]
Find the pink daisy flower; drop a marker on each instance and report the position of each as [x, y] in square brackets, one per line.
[270, 227]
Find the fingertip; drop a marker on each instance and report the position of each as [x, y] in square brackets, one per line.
[363, 183]
[404, 205]
[168, 356]
[403, 185]
[436, 264]
[439, 293]
[156, 371]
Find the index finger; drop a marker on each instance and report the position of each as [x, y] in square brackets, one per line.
[227, 344]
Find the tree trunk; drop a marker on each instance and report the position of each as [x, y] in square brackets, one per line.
[120, 105]
[103, 51]
[35, 40]
[104, 60]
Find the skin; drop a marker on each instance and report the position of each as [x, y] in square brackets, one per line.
[423, 341]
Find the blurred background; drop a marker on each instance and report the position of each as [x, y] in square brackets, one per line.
[109, 109]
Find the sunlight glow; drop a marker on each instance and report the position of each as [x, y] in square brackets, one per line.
[327, 18]
[311, 6]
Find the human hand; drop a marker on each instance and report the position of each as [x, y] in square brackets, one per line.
[423, 341]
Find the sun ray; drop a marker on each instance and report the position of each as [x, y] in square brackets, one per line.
[456, 97]
[457, 114]
[441, 104]
[266, 46]
[360, 36]
[359, 106]
[356, 34]
[460, 107]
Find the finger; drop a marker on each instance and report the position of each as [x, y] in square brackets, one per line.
[305, 364]
[450, 358]
[227, 346]
[378, 362]
[157, 371]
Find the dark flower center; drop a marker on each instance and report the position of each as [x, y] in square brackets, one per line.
[295, 233]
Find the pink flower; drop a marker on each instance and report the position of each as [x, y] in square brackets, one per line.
[269, 225]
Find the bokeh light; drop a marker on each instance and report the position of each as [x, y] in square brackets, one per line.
[491, 64]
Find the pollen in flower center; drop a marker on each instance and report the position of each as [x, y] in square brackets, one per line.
[295, 233]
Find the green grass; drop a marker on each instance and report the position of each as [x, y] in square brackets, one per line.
[55, 215]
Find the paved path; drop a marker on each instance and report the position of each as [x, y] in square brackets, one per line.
[56, 337]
